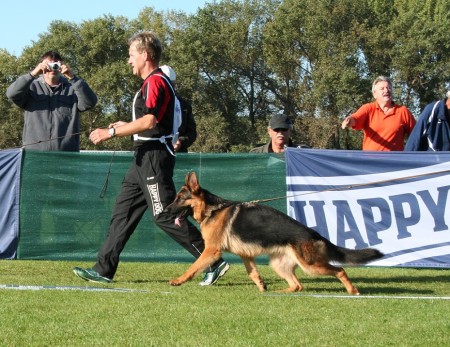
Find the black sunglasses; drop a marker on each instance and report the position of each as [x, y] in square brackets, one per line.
[277, 130]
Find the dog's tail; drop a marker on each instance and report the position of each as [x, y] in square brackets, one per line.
[352, 256]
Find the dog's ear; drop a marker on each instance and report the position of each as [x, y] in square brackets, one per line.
[188, 178]
[192, 182]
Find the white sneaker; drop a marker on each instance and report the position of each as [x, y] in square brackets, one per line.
[211, 277]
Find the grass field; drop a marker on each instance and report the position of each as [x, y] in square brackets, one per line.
[43, 304]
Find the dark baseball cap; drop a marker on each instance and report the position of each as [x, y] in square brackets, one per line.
[280, 121]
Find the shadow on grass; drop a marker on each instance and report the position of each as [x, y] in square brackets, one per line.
[310, 287]
[327, 285]
[369, 282]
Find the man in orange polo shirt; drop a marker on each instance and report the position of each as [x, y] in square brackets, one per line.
[385, 124]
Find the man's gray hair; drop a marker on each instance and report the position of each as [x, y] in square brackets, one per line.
[149, 42]
[381, 79]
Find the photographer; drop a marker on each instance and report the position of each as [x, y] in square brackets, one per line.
[52, 98]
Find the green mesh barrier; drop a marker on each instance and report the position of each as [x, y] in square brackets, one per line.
[63, 217]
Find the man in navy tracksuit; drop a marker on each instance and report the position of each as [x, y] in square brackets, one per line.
[432, 130]
[148, 183]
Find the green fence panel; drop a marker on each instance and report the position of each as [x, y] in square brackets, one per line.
[64, 217]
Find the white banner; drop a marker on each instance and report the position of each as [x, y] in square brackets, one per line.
[397, 202]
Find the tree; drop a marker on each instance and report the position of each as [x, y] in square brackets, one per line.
[420, 56]
[102, 55]
[314, 49]
[222, 48]
[11, 117]
[239, 62]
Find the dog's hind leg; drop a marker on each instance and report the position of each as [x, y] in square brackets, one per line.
[338, 272]
[285, 266]
[253, 273]
[341, 275]
[312, 257]
[325, 269]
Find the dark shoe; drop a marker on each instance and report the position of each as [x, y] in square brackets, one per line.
[91, 275]
[211, 277]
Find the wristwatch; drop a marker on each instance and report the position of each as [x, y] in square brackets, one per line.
[112, 132]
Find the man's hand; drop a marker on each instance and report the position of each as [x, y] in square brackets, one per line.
[40, 69]
[99, 135]
[177, 145]
[67, 72]
[348, 122]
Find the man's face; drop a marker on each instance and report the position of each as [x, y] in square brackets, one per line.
[136, 59]
[382, 92]
[447, 103]
[279, 136]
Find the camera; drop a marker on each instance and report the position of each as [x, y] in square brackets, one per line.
[55, 66]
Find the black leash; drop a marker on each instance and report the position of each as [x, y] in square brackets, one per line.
[105, 185]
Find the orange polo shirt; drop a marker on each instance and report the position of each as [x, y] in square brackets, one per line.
[383, 132]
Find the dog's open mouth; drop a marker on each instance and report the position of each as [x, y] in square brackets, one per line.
[181, 218]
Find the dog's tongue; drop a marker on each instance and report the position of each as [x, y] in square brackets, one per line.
[178, 221]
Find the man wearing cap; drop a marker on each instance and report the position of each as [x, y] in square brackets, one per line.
[280, 130]
[432, 131]
[188, 128]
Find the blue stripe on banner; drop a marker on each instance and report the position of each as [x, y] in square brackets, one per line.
[317, 162]
[397, 202]
[10, 165]
[378, 181]
[415, 249]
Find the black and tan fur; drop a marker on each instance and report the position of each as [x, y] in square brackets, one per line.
[249, 230]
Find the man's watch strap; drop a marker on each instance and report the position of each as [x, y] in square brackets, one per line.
[112, 132]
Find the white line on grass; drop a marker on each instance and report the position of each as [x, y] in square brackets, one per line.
[62, 288]
[333, 296]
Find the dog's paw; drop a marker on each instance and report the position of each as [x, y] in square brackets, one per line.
[175, 282]
[353, 291]
[262, 286]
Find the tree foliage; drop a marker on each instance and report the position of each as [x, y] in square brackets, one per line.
[239, 62]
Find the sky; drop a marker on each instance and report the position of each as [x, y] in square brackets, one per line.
[21, 21]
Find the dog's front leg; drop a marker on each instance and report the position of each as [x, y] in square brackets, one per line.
[207, 258]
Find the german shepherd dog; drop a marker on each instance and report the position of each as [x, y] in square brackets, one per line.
[249, 230]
